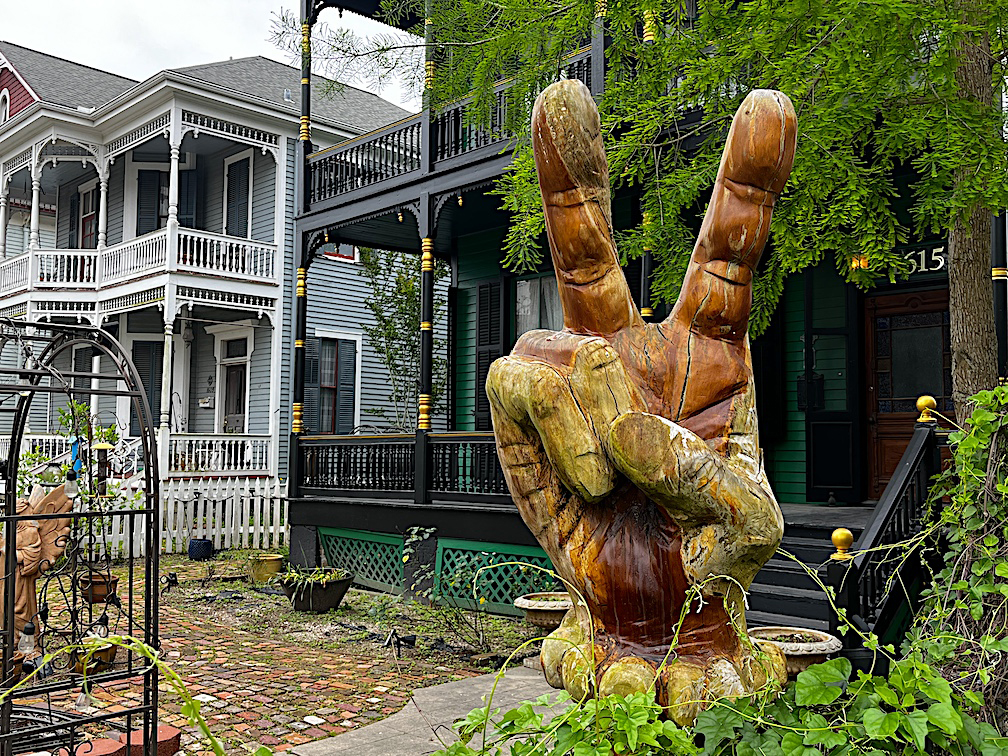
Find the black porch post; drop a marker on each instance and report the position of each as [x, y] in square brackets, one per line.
[647, 263]
[999, 272]
[297, 404]
[426, 368]
[305, 136]
[598, 49]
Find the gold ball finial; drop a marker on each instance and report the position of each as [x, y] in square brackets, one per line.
[925, 405]
[842, 539]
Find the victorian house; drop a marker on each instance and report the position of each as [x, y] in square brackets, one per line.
[163, 211]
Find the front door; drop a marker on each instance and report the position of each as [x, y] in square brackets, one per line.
[234, 398]
[908, 355]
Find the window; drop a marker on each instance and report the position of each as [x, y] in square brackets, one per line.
[330, 404]
[152, 201]
[89, 200]
[537, 305]
[238, 194]
[4, 105]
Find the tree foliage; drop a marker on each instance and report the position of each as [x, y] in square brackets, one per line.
[889, 149]
[393, 280]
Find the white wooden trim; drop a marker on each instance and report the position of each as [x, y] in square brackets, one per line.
[330, 333]
[240, 329]
[236, 158]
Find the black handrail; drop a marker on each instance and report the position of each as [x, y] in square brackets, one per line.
[880, 580]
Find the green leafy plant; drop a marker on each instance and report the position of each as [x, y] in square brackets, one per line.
[301, 580]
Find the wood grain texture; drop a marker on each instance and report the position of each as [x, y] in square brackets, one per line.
[632, 449]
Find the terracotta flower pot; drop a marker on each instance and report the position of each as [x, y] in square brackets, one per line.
[802, 647]
[96, 587]
[317, 597]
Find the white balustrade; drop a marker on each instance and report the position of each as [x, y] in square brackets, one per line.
[205, 252]
[14, 274]
[67, 267]
[219, 453]
[126, 260]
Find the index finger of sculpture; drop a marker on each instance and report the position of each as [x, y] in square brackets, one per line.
[574, 180]
[716, 294]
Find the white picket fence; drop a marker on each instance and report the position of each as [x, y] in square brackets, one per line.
[234, 513]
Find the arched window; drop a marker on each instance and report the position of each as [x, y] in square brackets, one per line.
[4, 106]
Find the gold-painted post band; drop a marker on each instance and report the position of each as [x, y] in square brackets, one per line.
[305, 129]
[423, 414]
[297, 410]
[302, 286]
[925, 405]
[650, 26]
[426, 326]
[298, 344]
[600, 8]
[427, 259]
[999, 273]
[429, 76]
[646, 312]
[842, 539]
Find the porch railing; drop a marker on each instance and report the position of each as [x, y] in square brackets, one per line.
[876, 585]
[358, 463]
[401, 148]
[203, 251]
[220, 453]
[436, 467]
[48, 446]
[88, 269]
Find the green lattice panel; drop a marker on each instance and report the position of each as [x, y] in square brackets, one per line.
[459, 562]
[375, 558]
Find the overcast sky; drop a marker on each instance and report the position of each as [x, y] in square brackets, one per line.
[139, 39]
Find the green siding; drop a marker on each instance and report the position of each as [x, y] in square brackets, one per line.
[785, 459]
[478, 260]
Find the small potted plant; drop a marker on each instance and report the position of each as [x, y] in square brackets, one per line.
[802, 647]
[96, 587]
[317, 590]
[263, 567]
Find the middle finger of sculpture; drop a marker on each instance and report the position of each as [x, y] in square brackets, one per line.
[631, 449]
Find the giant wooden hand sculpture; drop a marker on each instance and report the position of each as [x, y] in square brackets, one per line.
[631, 449]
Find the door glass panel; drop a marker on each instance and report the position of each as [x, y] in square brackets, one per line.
[917, 362]
[830, 361]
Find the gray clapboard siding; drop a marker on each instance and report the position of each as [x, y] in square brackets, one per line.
[201, 368]
[116, 188]
[260, 385]
[63, 215]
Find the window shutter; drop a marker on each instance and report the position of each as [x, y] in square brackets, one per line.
[488, 346]
[82, 364]
[148, 201]
[238, 199]
[346, 367]
[73, 240]
[148, 357]
[187, 199]
[310, 411]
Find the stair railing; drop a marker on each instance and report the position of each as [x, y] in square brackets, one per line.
[878, 583]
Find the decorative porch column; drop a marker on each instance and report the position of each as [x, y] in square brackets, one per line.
[173, 186]
[164, 431]
[103, 208]
[3, 220]
[305, 133]
[33, 239]
[426, 334]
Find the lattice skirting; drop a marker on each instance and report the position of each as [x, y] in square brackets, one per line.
[458, 562]
[376, 558]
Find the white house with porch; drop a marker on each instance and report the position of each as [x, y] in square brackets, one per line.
[163, 211]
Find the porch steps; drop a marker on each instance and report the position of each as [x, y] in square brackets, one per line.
[783, 592]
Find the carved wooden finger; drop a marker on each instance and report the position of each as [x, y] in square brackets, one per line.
[574, 180]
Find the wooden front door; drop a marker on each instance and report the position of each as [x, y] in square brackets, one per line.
[234, 398]
[908, 355]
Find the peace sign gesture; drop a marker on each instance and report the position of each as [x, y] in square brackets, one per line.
[631, 449]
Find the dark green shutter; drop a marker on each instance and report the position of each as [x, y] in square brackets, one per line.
[74, 237]
[346, 378]
[310, 412]
[148, 201]
[238, 198]
[488, 347]
[187, 199]
[148, 357]
[82, 364]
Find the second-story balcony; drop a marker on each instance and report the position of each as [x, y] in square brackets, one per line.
[185, 251]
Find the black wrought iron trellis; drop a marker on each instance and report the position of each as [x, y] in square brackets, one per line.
[112, 531]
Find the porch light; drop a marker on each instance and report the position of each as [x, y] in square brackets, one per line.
[187, 334]
[859, 261]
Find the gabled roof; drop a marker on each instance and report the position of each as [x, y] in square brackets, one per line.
[267, 79]
[62, 82]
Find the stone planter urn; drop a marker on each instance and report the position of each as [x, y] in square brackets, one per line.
[318, 596]
[262, 567]
[801, 647]
[545, 610]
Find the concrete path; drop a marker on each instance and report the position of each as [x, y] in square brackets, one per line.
[410, 733]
